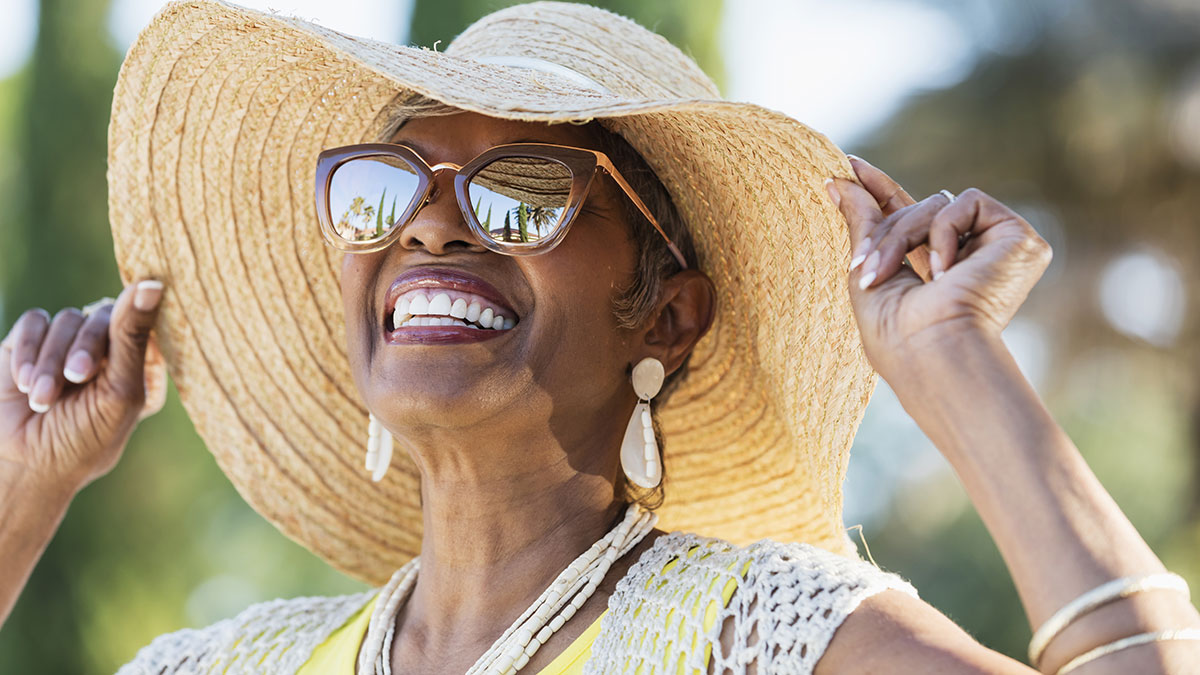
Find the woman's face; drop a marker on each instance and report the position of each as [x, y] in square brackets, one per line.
[562, 367]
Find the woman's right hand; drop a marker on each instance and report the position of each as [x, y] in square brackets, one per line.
[65, 432]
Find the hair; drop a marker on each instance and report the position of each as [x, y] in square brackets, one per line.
[636, 303]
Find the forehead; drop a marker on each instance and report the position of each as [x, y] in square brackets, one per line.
[460, 136]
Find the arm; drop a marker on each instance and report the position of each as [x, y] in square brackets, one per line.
[56, 436]
[1059, 531]
[31, 515]
[937, 343]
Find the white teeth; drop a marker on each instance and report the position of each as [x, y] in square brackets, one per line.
[459, 309]
[450, 321]
[509, 323]
[440, 304]
[403, 306]
[485, 318]
[420, 305]
[497, 322]
[473, 311]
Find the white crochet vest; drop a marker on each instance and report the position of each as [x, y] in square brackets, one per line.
[784, 613]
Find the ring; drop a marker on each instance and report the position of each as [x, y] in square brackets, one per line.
[93, 307]
[949, 195]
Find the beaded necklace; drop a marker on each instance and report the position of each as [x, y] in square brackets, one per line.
[556, 605]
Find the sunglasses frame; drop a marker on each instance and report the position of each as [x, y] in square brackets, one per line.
[584, 165]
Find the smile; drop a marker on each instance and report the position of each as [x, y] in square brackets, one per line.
[430, 305]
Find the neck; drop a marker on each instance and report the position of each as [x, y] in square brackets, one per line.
[498, 530]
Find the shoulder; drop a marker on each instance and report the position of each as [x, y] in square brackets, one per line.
[794, 595]
[283, 631]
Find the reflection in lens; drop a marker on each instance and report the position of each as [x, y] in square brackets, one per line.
[520, 199]
[368, 194]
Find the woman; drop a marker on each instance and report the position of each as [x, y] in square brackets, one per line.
[665, 243]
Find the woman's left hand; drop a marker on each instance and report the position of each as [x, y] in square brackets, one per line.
[976, 288]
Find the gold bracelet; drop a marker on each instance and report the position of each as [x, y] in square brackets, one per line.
[1097, 597]
[1125, 643]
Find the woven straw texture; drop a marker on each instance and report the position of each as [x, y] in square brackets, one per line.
[218, 115]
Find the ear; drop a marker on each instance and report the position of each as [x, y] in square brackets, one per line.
[684, 314]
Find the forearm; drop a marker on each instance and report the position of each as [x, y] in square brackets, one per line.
[1058, 530]
[29, 515]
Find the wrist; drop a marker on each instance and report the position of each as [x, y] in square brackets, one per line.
[936, 363]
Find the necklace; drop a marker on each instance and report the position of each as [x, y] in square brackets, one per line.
[556, 605]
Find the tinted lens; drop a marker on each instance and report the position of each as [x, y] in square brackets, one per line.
[367, 195]
[520, 200]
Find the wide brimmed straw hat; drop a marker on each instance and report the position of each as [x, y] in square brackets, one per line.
[218, 115]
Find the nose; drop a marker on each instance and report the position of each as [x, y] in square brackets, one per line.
[438, 225]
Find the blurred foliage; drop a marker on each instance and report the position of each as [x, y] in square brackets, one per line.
[1085, 129]
[1082, 132]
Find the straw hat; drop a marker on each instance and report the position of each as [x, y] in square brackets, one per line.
[218, 115]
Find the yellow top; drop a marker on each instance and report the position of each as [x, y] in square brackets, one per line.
[339, 652]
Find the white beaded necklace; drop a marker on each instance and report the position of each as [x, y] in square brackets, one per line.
[556, 605]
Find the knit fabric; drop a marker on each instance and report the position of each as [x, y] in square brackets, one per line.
[790, 599]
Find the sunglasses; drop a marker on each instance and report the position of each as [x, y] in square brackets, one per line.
[517, 199]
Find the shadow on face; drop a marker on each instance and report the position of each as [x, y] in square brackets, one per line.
[562, 367]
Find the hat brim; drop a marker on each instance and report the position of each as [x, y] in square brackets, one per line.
[218, 115]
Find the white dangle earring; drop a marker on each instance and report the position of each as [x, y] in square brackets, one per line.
[639, 450]
[379, 449]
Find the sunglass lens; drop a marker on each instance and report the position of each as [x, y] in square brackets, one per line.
[367, 195]
[520, 200]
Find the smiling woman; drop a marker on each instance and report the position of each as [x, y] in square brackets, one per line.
[498, 260]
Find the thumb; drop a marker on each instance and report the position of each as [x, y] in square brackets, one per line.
[132, 318]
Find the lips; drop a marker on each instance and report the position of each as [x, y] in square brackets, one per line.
[436, 305]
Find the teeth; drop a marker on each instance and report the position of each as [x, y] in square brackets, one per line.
[440, 304]
[473, 311]
[485, 318]
[403, 306]
[497, 322]
[509, 323]
[459, 309]
[419, 305]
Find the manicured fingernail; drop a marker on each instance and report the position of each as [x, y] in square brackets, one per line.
[856, 157]
[39, 398]
[833, 192]
[861, 254]
[935, 264]
[865, 280]
[147, 295]
[78, 366]
[868, 270]
[23, 376]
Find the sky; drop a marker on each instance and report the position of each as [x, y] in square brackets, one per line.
[841, 67]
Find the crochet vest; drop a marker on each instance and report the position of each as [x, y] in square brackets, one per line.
[790, 598]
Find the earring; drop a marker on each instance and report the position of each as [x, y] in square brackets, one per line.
[639, 450]
[379, 449]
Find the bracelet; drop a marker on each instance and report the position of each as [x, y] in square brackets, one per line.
[1098, 597]
[1125, 643]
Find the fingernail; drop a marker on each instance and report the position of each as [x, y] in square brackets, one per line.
[865, 280]
[861, 254]
[147, 295]
[78, 366]
[938, 275]
[39, 398]
[833, 193]
[23, 376]
[935, 264]
[856, 157]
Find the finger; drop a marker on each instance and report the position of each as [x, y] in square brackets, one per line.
[861, 212]
[133, 316]
[26, 338]
[89, 347]
[47, 373]
[907, 230]
[974, 212]
[887, 192]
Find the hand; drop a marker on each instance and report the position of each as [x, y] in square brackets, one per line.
[66, 433]
[979, 287]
